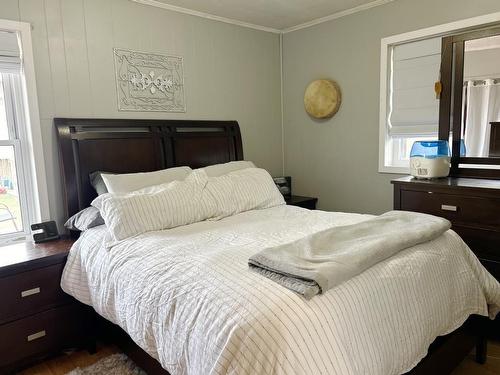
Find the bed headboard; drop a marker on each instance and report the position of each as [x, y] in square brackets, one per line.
[125, 146]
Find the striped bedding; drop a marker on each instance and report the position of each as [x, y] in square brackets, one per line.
[187, 297]
[195, 199]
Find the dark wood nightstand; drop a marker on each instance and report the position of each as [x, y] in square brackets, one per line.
[36, 317]
[304, 202]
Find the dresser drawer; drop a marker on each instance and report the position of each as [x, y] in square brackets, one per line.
[472, 210]
[41, 333]
[30, 292]
[484, 243]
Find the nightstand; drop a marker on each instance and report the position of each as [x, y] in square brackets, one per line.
[36, 317]
[304, 202]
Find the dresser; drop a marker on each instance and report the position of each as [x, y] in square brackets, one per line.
[36, 316]
[472, 206]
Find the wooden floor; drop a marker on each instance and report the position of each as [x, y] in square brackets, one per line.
[63, 364]
[491, 367]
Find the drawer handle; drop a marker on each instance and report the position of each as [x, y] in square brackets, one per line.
[30, 292]
[36, 336]
[446, 207]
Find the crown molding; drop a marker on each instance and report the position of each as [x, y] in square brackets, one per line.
[208, 16]
[334, 16]
[231, 21]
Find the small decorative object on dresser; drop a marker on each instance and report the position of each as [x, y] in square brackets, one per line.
[36, 316]
[304, 202]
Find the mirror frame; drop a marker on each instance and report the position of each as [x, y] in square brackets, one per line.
[450, 106]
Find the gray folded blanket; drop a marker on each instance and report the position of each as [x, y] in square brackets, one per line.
[323, 260]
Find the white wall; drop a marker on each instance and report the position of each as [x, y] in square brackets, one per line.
[337, 159]
[231, 73]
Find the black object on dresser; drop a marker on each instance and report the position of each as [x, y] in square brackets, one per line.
[472, 206]
[36, 317]
[304, 202]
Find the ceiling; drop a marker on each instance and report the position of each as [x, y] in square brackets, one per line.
[274, 14]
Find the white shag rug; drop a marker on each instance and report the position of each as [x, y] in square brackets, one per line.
[115, 364]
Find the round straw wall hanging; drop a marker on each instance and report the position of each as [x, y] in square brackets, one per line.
[322, 98]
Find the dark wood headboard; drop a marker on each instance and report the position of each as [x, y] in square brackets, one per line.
[126, 146]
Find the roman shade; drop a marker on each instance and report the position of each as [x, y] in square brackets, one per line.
[414, 109]
[10, 54]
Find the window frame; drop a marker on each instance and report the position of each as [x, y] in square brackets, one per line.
[386, 47]
[14, 108]
[29, 155]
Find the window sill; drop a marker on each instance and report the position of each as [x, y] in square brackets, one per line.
[10, 239]
[393, 170]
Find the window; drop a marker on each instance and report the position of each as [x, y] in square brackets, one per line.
[412, 111]
[17, 197]
[409, 67]
[14, 217]
[401, 147]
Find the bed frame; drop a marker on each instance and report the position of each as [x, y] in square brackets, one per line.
[125, 145]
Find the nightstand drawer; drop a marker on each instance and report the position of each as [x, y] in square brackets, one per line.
[41, 333]
[29, 292]
[473, 210]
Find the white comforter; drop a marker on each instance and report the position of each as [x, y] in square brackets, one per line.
[187, 297]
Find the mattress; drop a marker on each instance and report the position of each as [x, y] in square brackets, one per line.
[187, 297]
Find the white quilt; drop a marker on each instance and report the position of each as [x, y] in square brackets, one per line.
[187, 297]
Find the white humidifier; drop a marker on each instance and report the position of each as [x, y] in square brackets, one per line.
[430, 159]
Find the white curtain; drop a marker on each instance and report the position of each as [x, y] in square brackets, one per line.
[483, 107]
[413, 107]
[10, 53]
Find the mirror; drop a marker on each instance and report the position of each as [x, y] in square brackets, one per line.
[469, 109]
[480, 130]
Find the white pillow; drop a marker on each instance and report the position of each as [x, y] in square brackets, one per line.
[160, 207]
[217, 170]
[128, 182]
[195, 199]
[243, 190]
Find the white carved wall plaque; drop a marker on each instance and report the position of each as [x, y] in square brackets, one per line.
[149, 82]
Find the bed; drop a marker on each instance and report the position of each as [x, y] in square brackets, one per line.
[185, 298]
